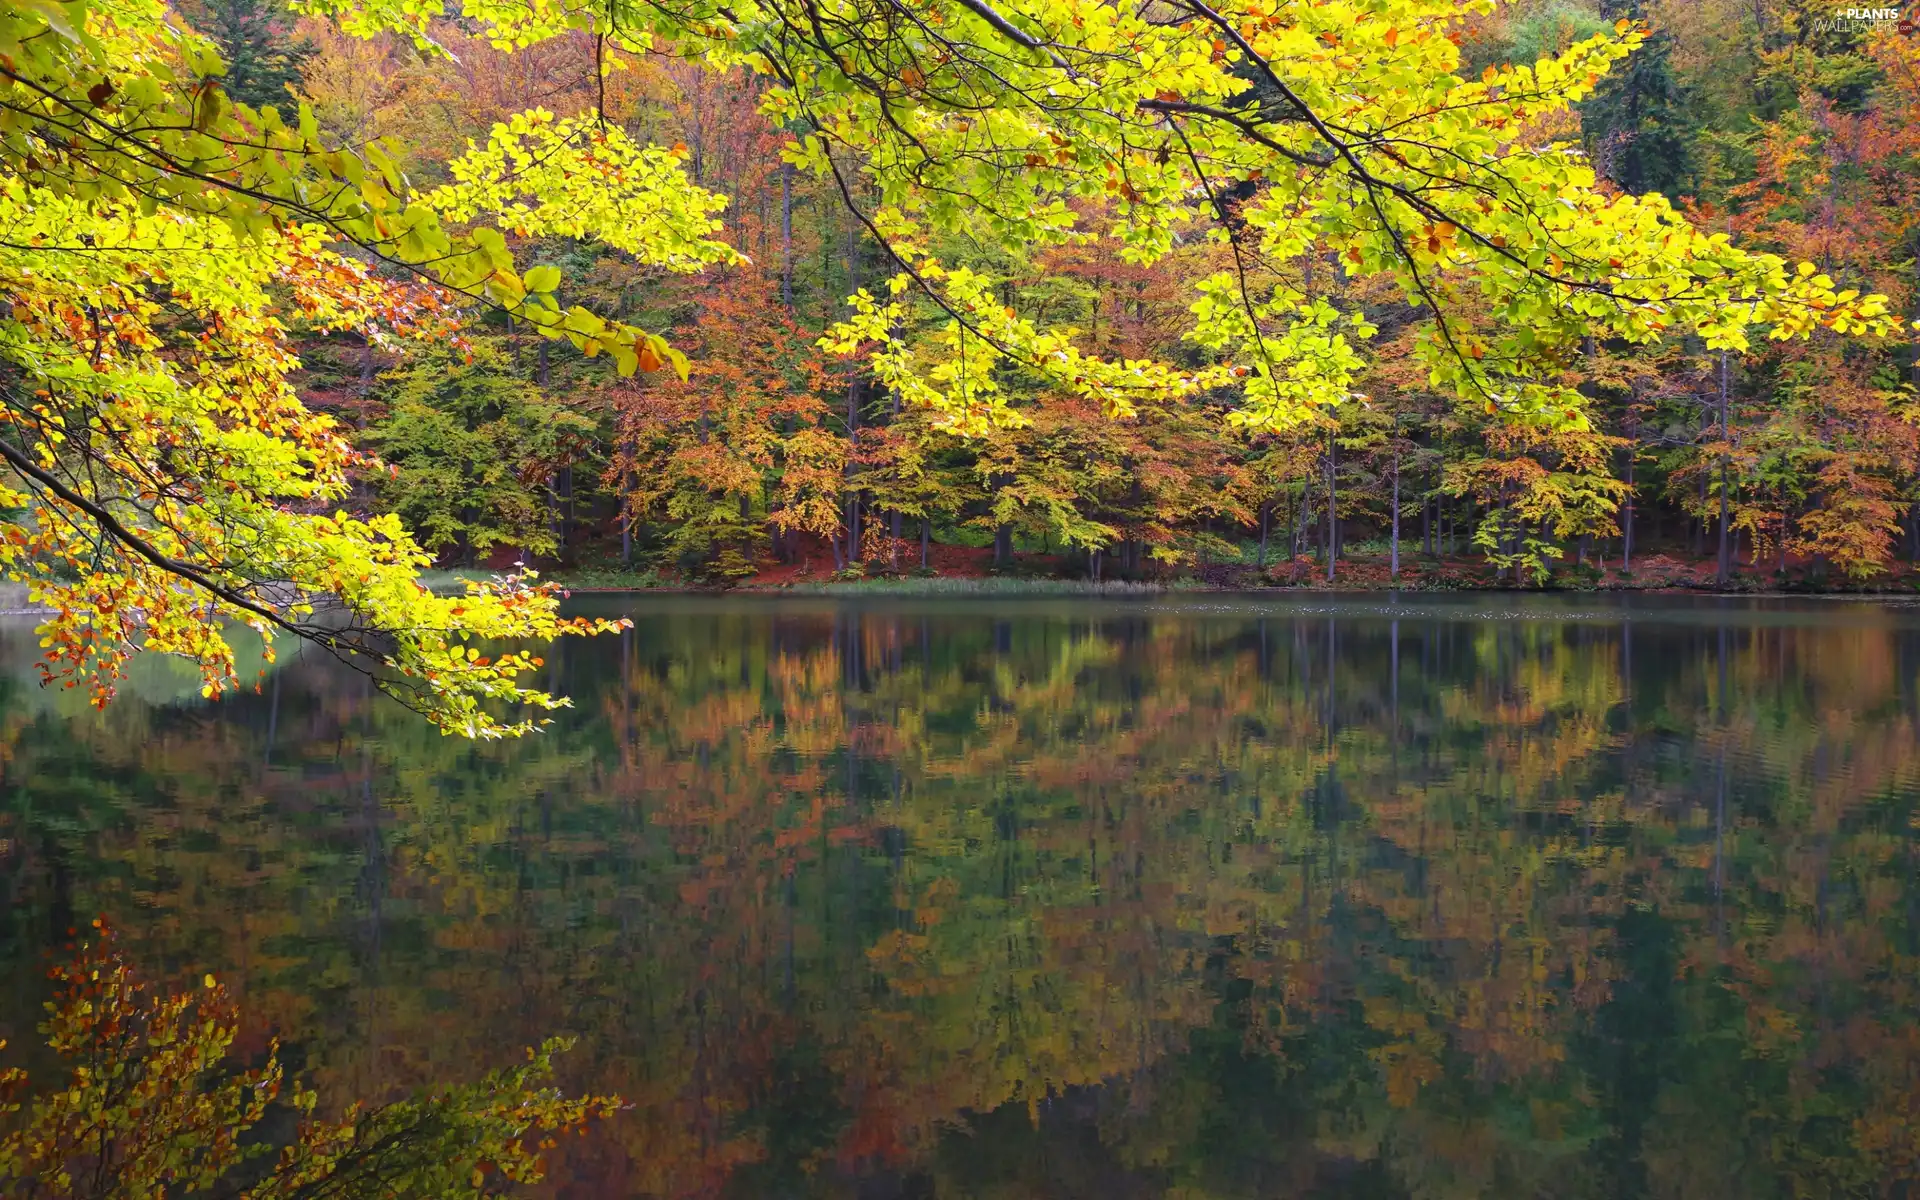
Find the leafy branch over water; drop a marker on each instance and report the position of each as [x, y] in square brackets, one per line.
[154, 1108]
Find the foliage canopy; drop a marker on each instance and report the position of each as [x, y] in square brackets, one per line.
[152, 1107]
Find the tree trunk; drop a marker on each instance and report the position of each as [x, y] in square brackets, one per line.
[1266, 519]
[1293, 533]
[1914, 371]
[1333, 503]
[826, 276]
[626, 516]
[853, 496]
[1002, 534]
[760, 211]
[926, 535]
[1505, 540]
[853, 256]
[1393, 558]
[1333, 500]
[1699, 530]
[562, 483]
[1626, 528]
[1724, 572]
[1307, 537]
[1782, 550]
[562, 506]
[786, 235]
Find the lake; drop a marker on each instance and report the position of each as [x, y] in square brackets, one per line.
[1207, 896]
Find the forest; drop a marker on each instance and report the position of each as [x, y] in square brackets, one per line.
[340, 339]
[782, 456]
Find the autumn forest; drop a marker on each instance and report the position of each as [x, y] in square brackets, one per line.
[1793, 463]
[959, 599]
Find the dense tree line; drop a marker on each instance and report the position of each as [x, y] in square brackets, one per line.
[1783, 128]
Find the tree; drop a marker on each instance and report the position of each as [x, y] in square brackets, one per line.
[1835, 179]
[470, 445]
[1284, 130]
[153, 1107]
[163, 239]
[737, 446]
[262, 57]
[1540, 487]
[1636, 125]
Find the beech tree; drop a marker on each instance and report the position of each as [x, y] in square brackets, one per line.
[152, 1106]
[162, 242]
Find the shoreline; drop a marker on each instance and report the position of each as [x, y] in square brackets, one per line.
[1662, 576]
[1069, 587]
[14, 602]
[1054, 575]
[1358, 579]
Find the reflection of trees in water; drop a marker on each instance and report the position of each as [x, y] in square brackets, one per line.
[1249, 905]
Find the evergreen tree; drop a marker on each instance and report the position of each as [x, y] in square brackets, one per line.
[256, 39]
[1637, 124]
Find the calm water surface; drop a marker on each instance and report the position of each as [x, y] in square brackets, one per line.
[1194, 898]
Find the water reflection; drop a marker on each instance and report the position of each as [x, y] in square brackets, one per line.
[1212, 898]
